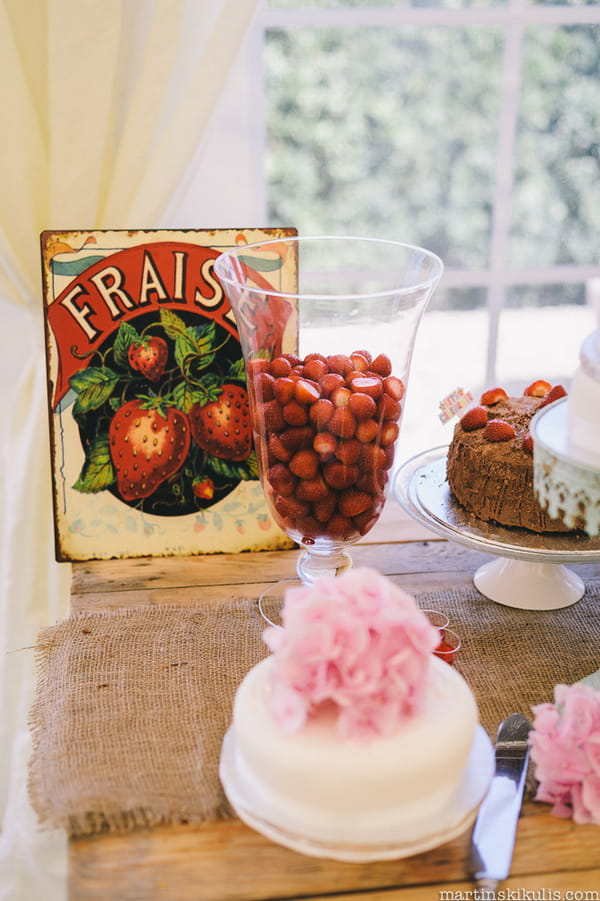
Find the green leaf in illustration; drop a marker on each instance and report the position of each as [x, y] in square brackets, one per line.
[244, 471]
[251, 464]
[237, 371]
[172, 324]
[93, 386]
[185, 352]
[194, 345]
[97, 472]
[186, 395]
[205, 390]
[184, 338]
[205, 337]
[212, 384]
[126, 336]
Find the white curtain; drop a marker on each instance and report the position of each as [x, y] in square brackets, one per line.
[105, 105]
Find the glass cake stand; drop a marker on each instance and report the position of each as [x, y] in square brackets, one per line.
[529, 572]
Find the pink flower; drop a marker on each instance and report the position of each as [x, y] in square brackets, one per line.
[565, 748]
[356, 643]
[288, 707]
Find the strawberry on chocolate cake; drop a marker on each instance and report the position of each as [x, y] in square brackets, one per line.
[490, 459]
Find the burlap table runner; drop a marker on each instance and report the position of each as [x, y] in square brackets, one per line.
[131, 705]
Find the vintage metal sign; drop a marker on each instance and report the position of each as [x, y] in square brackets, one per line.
[149, 423]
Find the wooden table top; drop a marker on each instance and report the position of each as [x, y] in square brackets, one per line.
[227, 861]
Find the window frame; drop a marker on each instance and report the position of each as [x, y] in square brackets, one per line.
[514, 17]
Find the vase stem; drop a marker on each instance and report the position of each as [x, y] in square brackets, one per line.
[312, 566]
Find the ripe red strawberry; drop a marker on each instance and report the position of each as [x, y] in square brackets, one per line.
[340, 527]
[147, 446]
[360, 361]
[340, 364]
[353, 502]
[362, 405]
[389, 432]
[537, 389]
[222, 427]
[281, 479]
[306, 391]
[528, 443]
[280, 367]
[149, 356]
[367, 431]
[305, 464]
[321, 412]
[475, 418]
[325, 444]
[283, 388]
[492, 396]
[368, 384]
[340, 475]
[554, 394]
[312, 490]
[394, 387]
[315, 369]
[498, 430]
[342, 423]
[349, 450]
[382, 365]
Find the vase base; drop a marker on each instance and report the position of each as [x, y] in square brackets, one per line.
[270, 603]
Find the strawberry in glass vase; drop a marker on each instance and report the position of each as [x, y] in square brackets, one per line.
[327, 389]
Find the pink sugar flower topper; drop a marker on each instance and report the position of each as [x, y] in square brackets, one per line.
[356, 643]
[565, 748]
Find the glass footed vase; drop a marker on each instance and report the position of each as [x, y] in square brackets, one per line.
[327, 327]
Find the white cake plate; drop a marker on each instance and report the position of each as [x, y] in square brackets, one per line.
[529, 573]
[449, 822]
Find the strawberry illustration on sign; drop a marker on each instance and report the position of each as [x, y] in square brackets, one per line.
[148, 443]
[164, 418]
[222, 427]
[139, 330]
[149, 356]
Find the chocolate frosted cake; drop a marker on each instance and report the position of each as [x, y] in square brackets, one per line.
[490, 460]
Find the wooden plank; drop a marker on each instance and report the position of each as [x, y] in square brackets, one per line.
[425, 565]
[541, 886]
[168, 572]
[227, 861]
[190, 595]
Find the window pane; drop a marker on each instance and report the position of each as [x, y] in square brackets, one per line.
[520, 296]
[557, 188]
[554, 356]
[450, 353]
[385, 132]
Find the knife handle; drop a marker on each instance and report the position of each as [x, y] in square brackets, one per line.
[487, 889]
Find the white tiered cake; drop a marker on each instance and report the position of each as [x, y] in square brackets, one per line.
[584, 403]
[566, 447]
[352, 740]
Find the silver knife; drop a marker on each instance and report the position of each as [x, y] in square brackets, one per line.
[493, 836]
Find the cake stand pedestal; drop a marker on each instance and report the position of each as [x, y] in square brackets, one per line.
[528, 585]
[529, 572]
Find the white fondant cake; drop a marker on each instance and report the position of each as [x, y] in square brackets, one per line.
[331, 789]
[584, 403]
